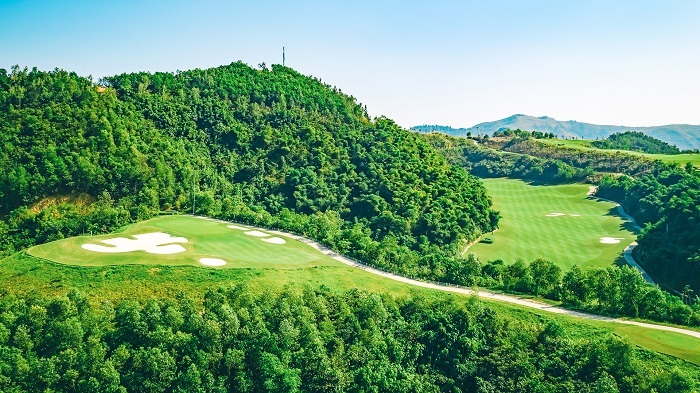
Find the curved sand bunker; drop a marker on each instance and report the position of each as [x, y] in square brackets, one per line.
[555, 215]
[212, 261]
[152, 243]
[256, 234]
[610, 240]
[274, 240]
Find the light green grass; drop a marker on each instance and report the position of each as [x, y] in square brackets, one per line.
[582, 144]
[526, 232]
[670, 343]
[297, 266]
[206, 239]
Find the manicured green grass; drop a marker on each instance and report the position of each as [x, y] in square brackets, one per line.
[22, 274]
[681, 159]
[674, 344]
[526, 232]
[206, 239]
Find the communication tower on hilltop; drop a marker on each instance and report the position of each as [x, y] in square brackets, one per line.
[283, 58]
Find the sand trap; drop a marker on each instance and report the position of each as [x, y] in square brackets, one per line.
[555, 215]
[610, 240]
[575, 215]
[274, 240]
[152, 243]
[212, 262]
[256, 234]
[239, 228]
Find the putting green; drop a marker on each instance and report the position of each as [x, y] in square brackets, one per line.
[559, 223]
[206, 239]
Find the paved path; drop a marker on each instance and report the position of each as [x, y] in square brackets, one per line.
[627, 253]
[466, 291]
[483, 294]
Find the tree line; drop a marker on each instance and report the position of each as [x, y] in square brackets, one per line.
[636, 141]
[310, 341]
[666, 201]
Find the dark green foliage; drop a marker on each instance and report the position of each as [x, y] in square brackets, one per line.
[667, 200]
[636, 141]
[611, 291]
[589, 160]
[310, 341]
[270, 147]
[520, 134]
[485, 162]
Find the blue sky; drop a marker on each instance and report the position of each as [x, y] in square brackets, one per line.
[442, 62]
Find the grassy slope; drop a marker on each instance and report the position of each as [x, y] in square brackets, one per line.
[206, 239]
[525, 231]
[586, 145]
[22, 274]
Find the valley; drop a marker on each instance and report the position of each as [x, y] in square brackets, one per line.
[559, 223]
[319, 238]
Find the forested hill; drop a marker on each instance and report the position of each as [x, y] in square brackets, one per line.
[636, 141]
[266, 146]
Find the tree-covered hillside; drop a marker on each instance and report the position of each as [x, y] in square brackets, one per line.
[315, 341]
[636, 141]
[267, 146]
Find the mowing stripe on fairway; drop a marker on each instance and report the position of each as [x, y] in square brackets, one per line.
[526, 231]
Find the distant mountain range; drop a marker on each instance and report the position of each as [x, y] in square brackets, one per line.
[685, 136]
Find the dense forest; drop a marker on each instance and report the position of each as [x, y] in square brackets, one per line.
[636, 141]
[265, 146]
[310, 341]
[668, 201]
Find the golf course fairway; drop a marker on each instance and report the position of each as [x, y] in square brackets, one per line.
[559, 223]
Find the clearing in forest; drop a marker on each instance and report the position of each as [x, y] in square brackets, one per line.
[184, 240]
[559, 223]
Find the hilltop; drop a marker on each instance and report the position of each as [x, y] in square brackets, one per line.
[684, 136]
[263, 146]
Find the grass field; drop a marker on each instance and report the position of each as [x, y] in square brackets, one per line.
[670, 343]
[681, 159]
[525, 231]
[260, 267]
[206, 239]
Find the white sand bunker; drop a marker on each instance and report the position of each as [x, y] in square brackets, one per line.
[240, 228]
[555, 215]
[256, 234]
[274, 240]
[212, 262]
[152, 243]
[610, 240]
[575, 215]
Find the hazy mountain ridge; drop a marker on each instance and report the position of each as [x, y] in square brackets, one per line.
[685, 136]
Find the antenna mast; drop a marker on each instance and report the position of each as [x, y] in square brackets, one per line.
[283, 58]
